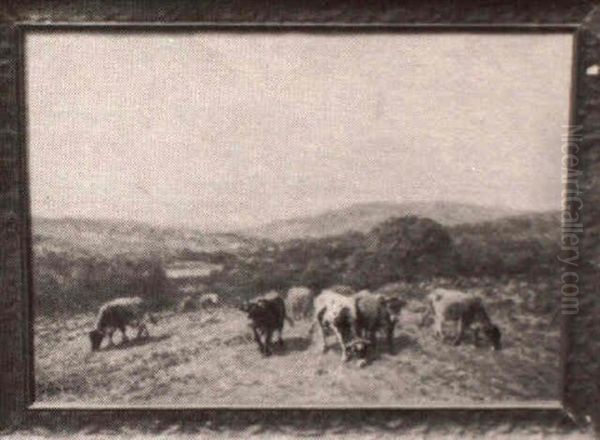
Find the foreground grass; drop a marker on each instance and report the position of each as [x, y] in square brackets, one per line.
[209, 358]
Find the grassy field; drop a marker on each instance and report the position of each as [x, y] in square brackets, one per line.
[209, 358]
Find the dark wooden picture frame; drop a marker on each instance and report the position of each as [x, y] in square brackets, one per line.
[580, 332]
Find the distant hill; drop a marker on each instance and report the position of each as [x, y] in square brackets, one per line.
[363, 217]
[111, 237]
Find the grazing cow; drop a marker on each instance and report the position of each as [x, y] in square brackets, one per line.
[300, 302]
[118, 314]
[208, 300]
[376, 312]
[267, 315]
[467, 310]
[338, 312]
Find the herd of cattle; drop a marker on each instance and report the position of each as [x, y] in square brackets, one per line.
[354, 318]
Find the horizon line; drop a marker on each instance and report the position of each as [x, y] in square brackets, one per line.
[236, 230]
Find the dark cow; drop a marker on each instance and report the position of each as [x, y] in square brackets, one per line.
[117, 315]
[267, 315]
[375, 312]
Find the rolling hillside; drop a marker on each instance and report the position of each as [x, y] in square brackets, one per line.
[81, 263]
[363, 217]
[110, 237]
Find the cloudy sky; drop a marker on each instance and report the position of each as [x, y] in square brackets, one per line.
[228, 130]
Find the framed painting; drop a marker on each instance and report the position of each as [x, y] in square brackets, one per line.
[327, 218]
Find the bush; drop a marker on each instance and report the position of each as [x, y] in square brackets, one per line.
[401, 248]
[512, 246]
[408, 248]
[67, 284]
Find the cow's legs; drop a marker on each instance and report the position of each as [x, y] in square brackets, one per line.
[268, 337]
[437, 328]
[426, 316]
[338, 334]
[372, 335]
[280, 340]
[124, 333]
[476, 336]
[360, 331]
[110, 337]
[324, 346]
[257, 339]
[460, 333]
[319, 319]
[142, 330]
[390, 337]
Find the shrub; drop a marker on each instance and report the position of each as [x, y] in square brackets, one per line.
[408, 248]
[66, 284]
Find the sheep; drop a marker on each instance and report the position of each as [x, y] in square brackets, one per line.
[118, 314]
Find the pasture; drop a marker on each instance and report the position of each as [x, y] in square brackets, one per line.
[208, 358]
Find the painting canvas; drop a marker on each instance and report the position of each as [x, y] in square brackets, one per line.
[276, 219]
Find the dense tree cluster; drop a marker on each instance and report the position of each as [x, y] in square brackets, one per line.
[407, 249]
[66, 283]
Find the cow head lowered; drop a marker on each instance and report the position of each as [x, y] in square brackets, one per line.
[359, 348]
[96, 337]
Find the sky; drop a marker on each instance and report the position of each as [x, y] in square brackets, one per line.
[226, 130]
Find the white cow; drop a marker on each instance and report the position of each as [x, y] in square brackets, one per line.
[338, 313]
[466, 310]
